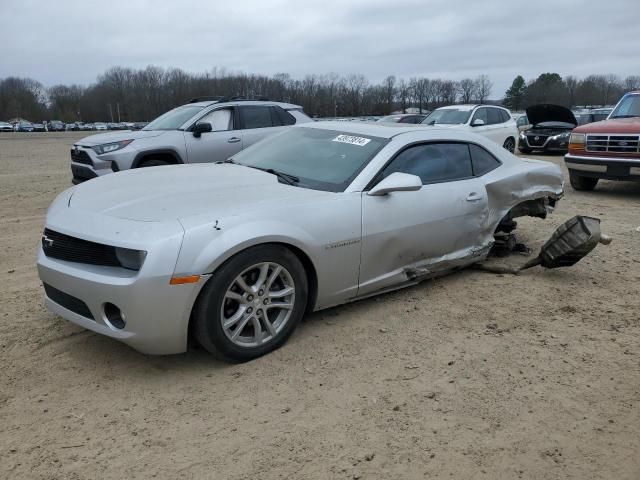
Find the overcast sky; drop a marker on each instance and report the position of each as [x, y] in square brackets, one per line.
[67, 41]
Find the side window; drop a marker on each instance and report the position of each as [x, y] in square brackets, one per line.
[282, 117]
[522, 121]
[505, 116]
[220, 119]
[493, 114]
[433, 162]
[482, 160]
[256, 116]
[481, 114]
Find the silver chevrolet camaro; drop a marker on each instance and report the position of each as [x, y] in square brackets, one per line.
[234, 254]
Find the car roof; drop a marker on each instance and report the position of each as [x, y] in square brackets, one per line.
[374, 129]
[459, 107]
[286, 106]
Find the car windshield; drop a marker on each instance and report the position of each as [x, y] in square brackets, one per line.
[390, 118]
[628, 107]
[174, 119]
[320, 159]
[447, 116]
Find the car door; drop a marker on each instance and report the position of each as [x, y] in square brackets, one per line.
[481, 113]
[499, 122]
[411, 234]
[257, 122]
[222, 142]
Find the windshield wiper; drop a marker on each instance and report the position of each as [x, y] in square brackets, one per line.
[626, 116]
[285, 177]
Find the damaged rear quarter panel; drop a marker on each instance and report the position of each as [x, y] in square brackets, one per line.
[518, 181]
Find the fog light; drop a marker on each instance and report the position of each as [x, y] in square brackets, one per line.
[114, 316]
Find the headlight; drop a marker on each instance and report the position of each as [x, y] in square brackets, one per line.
[110, 147]
[129, 258]
[577, 138]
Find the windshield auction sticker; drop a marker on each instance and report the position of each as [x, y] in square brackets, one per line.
[351, 140]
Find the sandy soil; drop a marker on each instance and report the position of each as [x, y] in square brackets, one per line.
[470, 376]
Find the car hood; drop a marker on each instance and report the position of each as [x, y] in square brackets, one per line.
[180, 191]
[613, 125]
[118, 136]
[547, 112]
[444, 125]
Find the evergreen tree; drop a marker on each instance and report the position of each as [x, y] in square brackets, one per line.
[514, 96]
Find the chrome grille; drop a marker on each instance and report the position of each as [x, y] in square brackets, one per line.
[537, 140]
[613, 143]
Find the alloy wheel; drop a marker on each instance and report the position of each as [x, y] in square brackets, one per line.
[258, 304]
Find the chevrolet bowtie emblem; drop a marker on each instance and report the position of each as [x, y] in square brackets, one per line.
[46, 241]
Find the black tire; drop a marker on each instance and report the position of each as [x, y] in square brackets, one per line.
[510, 144]
[207, 319]
[581, 183]
[153, 162]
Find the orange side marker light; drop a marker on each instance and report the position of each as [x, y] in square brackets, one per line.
[183, 280]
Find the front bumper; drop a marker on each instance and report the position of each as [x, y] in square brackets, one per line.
[86, 164]
[609, 168]
[560, 145]
[156, 313]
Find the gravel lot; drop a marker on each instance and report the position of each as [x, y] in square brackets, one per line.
[473, 375]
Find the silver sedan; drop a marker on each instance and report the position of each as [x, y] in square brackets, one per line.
[234, 254]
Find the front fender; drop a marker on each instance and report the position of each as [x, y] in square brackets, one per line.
[207, 247]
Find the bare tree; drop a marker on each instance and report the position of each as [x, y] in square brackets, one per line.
[572, 85]
[467, 88]
[483, 88]
[403, 94]
[632, 82]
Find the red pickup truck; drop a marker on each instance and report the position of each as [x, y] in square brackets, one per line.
[608, 149]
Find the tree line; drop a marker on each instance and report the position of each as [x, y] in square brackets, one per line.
[127, 94]
[591, 91]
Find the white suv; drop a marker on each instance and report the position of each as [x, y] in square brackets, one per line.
[208, 129]
[495, 123]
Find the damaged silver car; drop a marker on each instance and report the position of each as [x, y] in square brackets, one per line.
[234, 254]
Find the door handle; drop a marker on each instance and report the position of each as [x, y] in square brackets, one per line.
[233, 140]
[473, 197]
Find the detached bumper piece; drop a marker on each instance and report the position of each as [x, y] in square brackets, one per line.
[570, 243]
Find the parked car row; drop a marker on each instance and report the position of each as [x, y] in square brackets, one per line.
[58, 126]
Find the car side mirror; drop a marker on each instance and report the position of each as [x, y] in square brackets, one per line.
[200, 128]
[478, 122]
[396, 182]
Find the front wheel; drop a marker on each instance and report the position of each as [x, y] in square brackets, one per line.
[252, 304]
[153, 162]
[581, 183]
[510, 144]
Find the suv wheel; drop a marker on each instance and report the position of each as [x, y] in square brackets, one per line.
[153, 162]
[510, 144]
[252, 304]
[582, 183]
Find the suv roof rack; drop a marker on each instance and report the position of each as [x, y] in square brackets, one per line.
[218, 98]
[221, 99]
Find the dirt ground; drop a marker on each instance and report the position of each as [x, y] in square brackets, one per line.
[471, 376]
